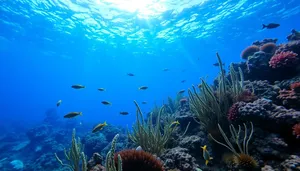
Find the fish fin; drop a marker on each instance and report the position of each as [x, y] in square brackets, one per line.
[80, 113]
[206, 162]
[105, 123]
[204, 147]
[264, 26]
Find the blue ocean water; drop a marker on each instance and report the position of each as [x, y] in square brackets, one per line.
[47, 46]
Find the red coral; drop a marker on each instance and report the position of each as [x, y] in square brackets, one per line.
[296, 130]
[284, 60]
[249, 51]
[296, 87]
[133, 160]
[233, 112]
[269, 48]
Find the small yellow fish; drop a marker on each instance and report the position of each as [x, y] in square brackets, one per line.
[101, 89]
[99, 127]
[174, 123]
[78, 86]
[72, 114]
[143, 88]
[206, 155]
[58, 103]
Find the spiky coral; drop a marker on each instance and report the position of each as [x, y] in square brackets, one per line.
[284, 60]
[133, 160]
[74, 155]
[249, 51]
[152, 138]
[242, 158]
[296, 130]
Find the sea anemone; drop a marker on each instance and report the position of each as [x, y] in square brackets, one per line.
[284, 60]
[245, 162]
[133, 160]
[296, 87]
[296, 130]
[269, 48]
[249, 51]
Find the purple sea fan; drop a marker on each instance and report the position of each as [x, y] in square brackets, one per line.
[284, 60]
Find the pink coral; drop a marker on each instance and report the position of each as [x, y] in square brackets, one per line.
[233, 112]
[296, 130]
[284, 60]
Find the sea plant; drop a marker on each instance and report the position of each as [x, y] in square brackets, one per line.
[241, 156]
[74, 155]
[173, 104]
[211, 106]
[110, 164]
[152, 137]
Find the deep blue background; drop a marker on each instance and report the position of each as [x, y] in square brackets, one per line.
[39, 62]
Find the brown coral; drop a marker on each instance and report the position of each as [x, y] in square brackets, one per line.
[249, 51]
[269, 48]
[296, 87]
[133, 160]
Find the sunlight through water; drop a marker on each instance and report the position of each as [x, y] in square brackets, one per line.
[143, 8]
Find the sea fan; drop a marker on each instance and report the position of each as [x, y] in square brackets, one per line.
[133, 160]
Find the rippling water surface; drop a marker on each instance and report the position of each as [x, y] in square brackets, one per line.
[145, 24]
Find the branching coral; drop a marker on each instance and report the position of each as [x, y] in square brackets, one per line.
[242, 158]
[133, 160]
[209, 106]
[284, 60]
[152, 138]
[74, 155]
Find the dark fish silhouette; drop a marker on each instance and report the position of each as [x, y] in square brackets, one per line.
[77, 86]
[182, 81]
[217, 64]
[270, 26]
[124, 113]
[106, 102]
[144, 102]
[130, 74]
[143, 88]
